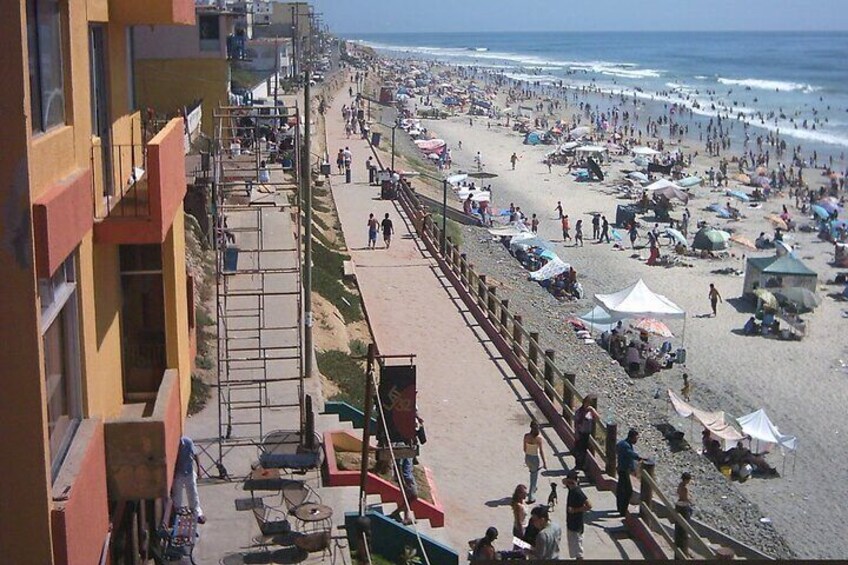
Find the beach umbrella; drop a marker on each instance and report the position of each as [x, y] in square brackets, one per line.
[641, 161]
[720, 210]
[580, 131]
[820, 212]
[644, 151]
[768, 299]
[689, 181]
[636, 175]
[739, 195]
[777, 221]
[482, 175]
[803, 299]
[711, 239]
[829, 204]
[743, 178]
[652, 327]
[743, 241]
[676, 236]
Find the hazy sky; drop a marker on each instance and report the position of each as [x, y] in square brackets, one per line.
[392, 16]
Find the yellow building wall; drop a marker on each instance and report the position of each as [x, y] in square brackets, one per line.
[176, 305]
[167, 85]
[100, 304]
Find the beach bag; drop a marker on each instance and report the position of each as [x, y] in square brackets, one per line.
[421, 435]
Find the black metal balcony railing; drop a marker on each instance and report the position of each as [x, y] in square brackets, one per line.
[120, 177]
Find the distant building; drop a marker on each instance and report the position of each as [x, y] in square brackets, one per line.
[177, 65]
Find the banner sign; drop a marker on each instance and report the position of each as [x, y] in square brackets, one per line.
[397, 395]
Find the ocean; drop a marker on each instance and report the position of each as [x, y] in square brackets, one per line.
[775, 80]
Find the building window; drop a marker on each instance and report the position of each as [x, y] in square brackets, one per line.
[46, 64]
[60, 337]
[210, 32]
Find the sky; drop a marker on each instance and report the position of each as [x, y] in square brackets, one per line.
[394, 16]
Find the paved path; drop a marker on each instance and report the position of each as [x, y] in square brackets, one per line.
[475, 409]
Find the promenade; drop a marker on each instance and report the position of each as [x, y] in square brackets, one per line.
[475, 409]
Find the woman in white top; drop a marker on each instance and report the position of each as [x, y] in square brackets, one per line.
[533, 455]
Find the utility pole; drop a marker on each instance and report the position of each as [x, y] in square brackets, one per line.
[306, 178]
[366, 428]
[276, 73]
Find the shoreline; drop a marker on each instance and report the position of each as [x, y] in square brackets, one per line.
[601, 271]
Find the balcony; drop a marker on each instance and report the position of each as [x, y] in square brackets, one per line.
[152, 12]
[80, 512]
[141, 444]
[142, 185]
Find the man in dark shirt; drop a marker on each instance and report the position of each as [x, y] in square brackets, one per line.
[627, 458]
[388, 230]
[576, 505]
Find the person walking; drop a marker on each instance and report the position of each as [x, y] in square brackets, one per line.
[578, 233]
[513, 160]
[627, 459]
[596, 226]
[549, 536]
[558, 210]
[388, 230]
[372, 170]
[185, 479]
[534, 454]
[340, 160]
[715, 298]
[566, 236]
[634, 235]
[348, 161]
[585, 418]
[534, 224]
[686, 389]
[576, 506]
[604, 229]
[372, 231]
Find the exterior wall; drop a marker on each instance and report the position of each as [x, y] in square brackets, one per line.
[100, 308]
[152, 11]
[177, 42]
[169, 84]
[176, 306]
[23, 430]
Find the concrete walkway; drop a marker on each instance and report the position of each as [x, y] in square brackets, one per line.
[475, 409]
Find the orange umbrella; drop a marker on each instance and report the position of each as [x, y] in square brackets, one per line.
[743, 241]
[777, 221]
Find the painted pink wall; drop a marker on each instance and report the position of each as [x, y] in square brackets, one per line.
[61, 218]
[80, 523]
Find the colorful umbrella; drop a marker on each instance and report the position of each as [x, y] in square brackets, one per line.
[767, 298]
[803, 299]
[743, 241]
[829, 204]
[777, 221]
[676, 236]
[711, 239]
[820, 212]
[652, 327]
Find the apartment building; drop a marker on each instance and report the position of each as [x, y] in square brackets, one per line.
[95, 313]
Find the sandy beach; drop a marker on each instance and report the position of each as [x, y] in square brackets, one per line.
[799, 383]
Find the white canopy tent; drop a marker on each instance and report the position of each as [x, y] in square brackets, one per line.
[644, 151]
[598, 319]
[639, 301]
[456, 179]
[662, 183]
[592, 149]
[760, 427]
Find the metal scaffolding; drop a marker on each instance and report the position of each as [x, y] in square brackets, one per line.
[256, 216]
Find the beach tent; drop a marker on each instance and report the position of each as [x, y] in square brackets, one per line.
[644, 151]
[456, 179]
[591, 149]
[534, 138]
[430, 145]
[551, 269]
[661, 184]
[710, 239]
[778, 272]
[637, 175]
[510, 231]
[689, 181]
[669, 192]
[580, 131]
[716, 422]
[759, 427]
[639, 301]
[597, 319]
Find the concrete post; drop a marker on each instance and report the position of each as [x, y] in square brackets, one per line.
[482, 292]
[568, 394]
[504, 318]
[517, 320]
[549, 373]
[646, 490]
[611, 460]
[533, 355]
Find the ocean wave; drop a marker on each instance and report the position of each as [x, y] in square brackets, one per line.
[478, 49]
[769, 84]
